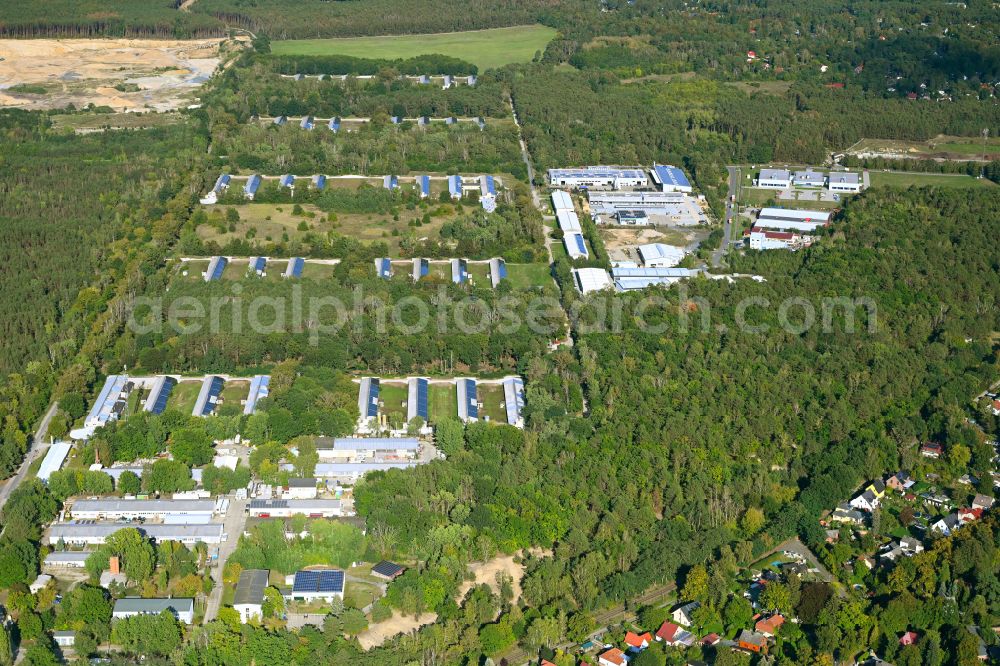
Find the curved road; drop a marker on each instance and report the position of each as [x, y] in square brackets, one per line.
[30, 455]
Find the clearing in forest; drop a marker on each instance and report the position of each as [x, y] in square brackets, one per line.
[483, 48]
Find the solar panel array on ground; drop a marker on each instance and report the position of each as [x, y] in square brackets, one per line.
[326, 580]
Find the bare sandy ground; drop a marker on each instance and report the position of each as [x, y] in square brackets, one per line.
[379, 633]
[83, 71]
[485, 573]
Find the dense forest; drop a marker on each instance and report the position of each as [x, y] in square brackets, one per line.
[73, 227]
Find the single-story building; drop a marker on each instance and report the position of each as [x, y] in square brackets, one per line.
[181, 608]
[249, 598]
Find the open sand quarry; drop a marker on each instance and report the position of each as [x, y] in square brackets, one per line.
[149, 74]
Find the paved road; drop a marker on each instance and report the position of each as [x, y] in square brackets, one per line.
[34, 451]
[732, 210]
[235, 522]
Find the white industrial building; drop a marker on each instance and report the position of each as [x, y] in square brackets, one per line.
[352, 471]
[589, 280]
[91, 533]
[316, 584]
[844, 182]
[670, 179]
[658, 255]
[792, 220]
[576, 248]
[561, 200]
[627, 278]
[612, 177]
[304, 489]
[568, 221]
[513, 396]
[775, 179]
[181, 608]
[286, 508]
[352, 448]
[146, 509]
[108, 406]
[809, 179]
[67, 559]
[764, 239]
[54, 459]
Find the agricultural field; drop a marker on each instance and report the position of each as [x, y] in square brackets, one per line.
[484, 48]
[87, 122]
[899, 179]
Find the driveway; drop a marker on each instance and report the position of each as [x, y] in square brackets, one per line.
[34, 452]
[234, 522]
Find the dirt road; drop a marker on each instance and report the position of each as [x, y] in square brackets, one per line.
[35, 449]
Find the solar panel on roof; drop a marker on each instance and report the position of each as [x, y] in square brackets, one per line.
[258, 264]
[319, 181]
[422, 391]
[294, 268]
[161, 398]
[334, 124]
[384, 267]
[373, 391]
[502, 268]
[470, 394]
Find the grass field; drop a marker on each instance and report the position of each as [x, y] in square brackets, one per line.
[491, 398]
[526, 276]
[483, 48]
[442, 402]
[183, 397]
[944, 146]
[393, 397]
[927, 179]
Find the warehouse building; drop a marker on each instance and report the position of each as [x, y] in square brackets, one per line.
[763, 239]
[108, 407]
[248, 600]
[221, 185]
[568, 221]
[792, 220]
[418, 389]
[280, 120]
[588, 280]
[561, 200]
[424, 183]
[368, 392]
[775, 179]
[216, 267]
[845, 182]
[468, 403]
[90, 533]
[334, 124]
[294, 267]
[658, 255]
[257, 266]
[421, 267]
[675, 207]
[576, 248]
[287, 180]
[259, 386]
[181, 608]
[598, 176]
[364, 447]
[670, 179]
[156, 401]
[148, 509]
[390, 182]
[315, 585]
[352, 471]
[208, 396]
[487, 193]
[459, 271]
[513, 395]
[67, 559]
[809, 179]
[251, 187]
[630, 279]
[319, 181]
[307, 123]
[455, 186]
[286, 508]
[54, 459]
[633, 218]
[383, 267]
[498, 271]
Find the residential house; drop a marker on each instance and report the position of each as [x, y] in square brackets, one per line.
[752, 641]
[682, 615]
[711, 639]
[900, 481]
[638, 641]
[387, 570]
[866, 501]
[983, 502]
[945, 526]
[877, 488]
[966, 516]
[64, 638]
[249, 598]
[909, 638]
[931, 450]
[612, 657]
[845, 514]
[769, 626]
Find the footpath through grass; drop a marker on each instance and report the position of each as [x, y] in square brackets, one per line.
[483, 48]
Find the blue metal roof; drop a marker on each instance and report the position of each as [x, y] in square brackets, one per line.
[421, 267]
[222, 182]
[459, 271]
[373, 443]
[211, 387]
[487, 185]
[390, 182]
[159, 394]
[455, 186]
[498, 270]
[450, 120]
[258, 390]
[384, 266]
[253, 182]
[425, 185]
[306, 123]
[295, 265]
[258, 264]
[287, 180]
[216, 267]
[670, 175]
[334, 124]
[318, 582]
[319, 181]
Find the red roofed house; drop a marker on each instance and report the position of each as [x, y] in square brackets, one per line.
[909, 638]
[613, 657]
[969, 515]
[667, 631]
[996, 406]
[769, 627]
[546, 662]
[711, 639]
[638, 641]
[931, 450]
